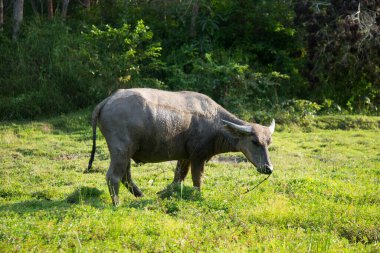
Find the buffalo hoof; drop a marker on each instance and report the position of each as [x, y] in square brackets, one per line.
[115, 201]
[138, 194]
[197, 188]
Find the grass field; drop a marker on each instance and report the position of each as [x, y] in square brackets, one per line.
[324, 196]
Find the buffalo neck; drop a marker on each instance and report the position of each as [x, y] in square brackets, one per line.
[225, 141]
[223, 114]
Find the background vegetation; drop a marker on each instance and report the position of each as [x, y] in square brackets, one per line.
[294, 58]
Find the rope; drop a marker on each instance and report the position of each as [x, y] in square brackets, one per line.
[262, 181]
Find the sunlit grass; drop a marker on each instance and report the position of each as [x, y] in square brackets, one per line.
[323, 196]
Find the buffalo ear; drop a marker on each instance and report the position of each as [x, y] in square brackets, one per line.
[242, 129]
[272, 126]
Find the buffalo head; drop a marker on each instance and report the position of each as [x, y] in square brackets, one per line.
[253, 142]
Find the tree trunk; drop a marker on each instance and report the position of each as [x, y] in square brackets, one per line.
[50, 9]
[193, 22]
[34, 8]
[65, 4]
[1, 15]
[18, 13]
[87, 4]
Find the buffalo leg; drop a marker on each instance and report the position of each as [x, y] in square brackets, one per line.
[180, 174]
[181, 171]
[128, 182]
[114, 174]
[197, 168]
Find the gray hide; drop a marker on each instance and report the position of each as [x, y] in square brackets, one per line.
[149, 125]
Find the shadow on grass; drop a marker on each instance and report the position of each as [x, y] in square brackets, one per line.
[180, 191]
[140, 203]
[92, 196]
[83, 195]
[94, 170]
[74, 122]
[78, 121]
[35, 205]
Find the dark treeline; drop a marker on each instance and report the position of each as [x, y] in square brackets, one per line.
[282, 57]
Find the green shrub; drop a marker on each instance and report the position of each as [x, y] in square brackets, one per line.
[47, 73]
[125, 55]
[224, 76]
[301, 107]
[52, 70]
[330, 107]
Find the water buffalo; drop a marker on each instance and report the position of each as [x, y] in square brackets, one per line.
[149, 125]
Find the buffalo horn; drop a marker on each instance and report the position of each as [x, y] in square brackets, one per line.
[240, 128]
[272, 126]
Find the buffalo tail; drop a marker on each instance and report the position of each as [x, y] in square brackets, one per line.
[94, 121]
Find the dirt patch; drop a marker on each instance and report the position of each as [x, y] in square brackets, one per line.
[229, 159]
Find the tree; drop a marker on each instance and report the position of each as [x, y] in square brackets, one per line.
[1, 15]
[18, 14]
[87, 4]
[343, 41]
[50, 9]
[195, 12]
[65, 5]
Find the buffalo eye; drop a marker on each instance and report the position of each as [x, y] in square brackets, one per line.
[256, 142]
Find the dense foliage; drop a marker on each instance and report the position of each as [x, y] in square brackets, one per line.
[250, 56]
[343, 50]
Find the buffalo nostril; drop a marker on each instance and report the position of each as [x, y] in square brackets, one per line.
[268, 169]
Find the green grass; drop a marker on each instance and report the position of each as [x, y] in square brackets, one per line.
[324, 196]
